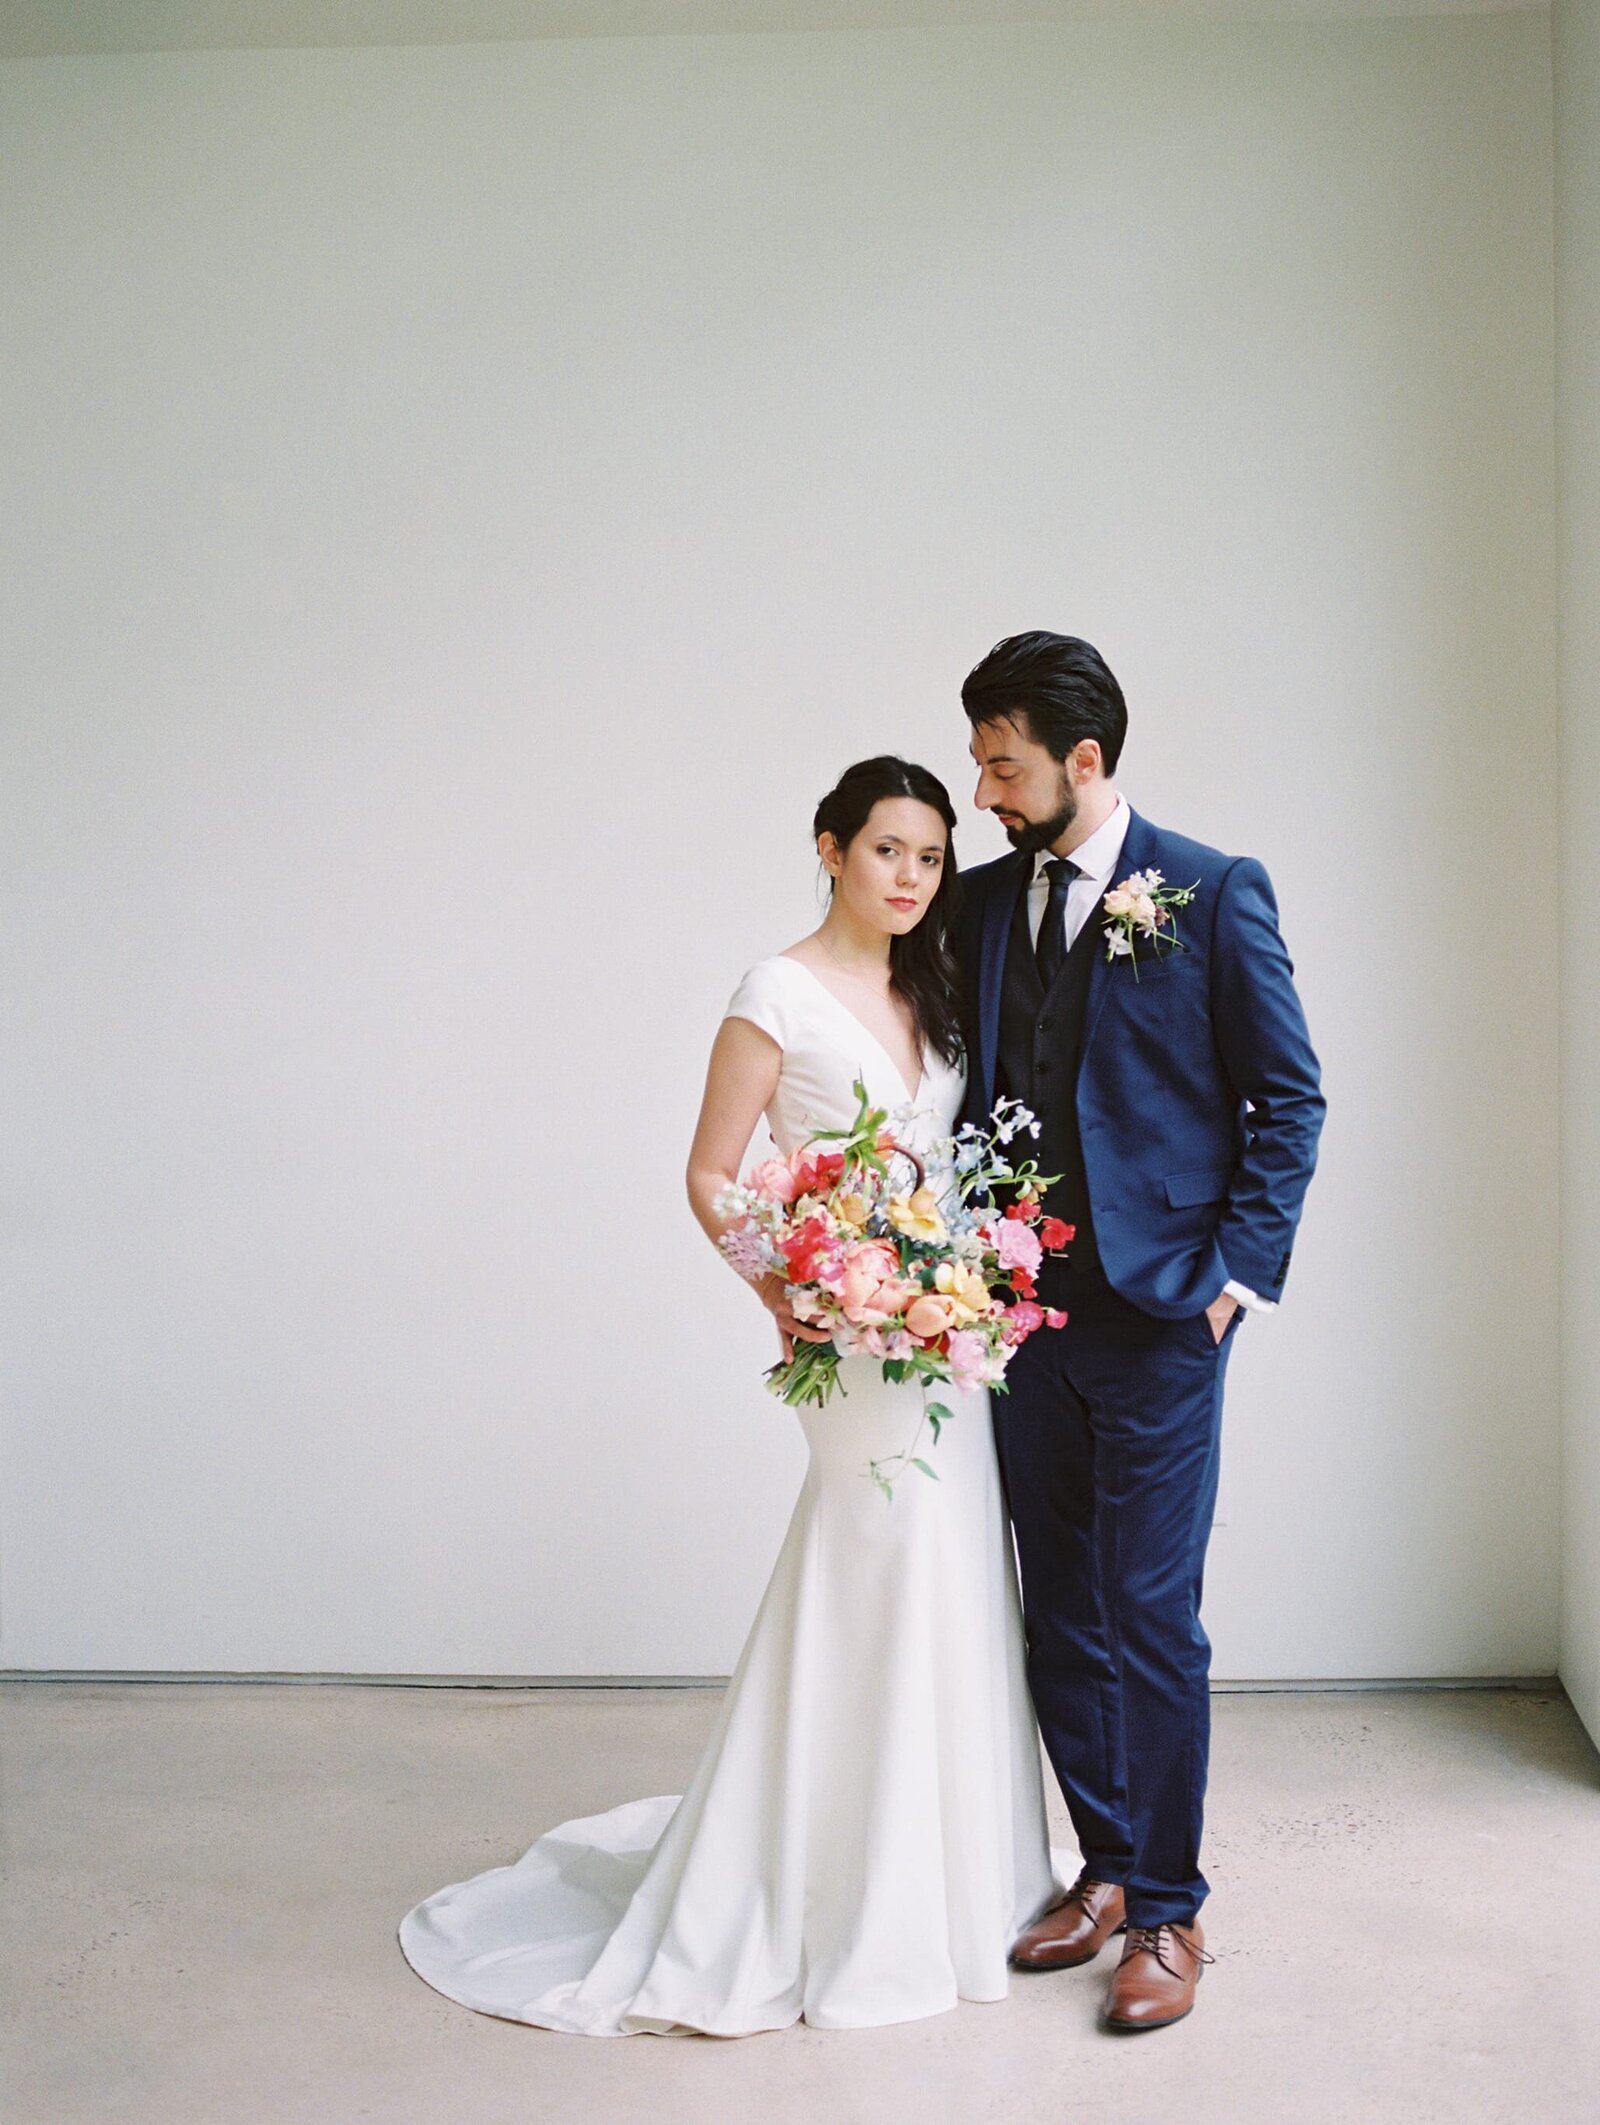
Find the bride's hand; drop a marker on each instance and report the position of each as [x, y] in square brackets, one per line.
[774, 1295]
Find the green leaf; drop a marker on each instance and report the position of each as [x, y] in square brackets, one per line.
[926, 1470]
[938, 1409]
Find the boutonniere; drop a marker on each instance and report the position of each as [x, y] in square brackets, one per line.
[1144, 905]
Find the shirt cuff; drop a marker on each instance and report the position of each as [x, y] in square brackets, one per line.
[1246, 1297]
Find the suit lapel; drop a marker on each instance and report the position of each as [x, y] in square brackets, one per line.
[1138, 851]
[997, 916]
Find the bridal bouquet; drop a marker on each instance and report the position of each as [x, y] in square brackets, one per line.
[901, 1258]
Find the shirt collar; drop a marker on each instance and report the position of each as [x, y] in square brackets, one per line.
[1096, 858]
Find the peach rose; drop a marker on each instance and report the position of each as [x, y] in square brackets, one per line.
[930, 1316]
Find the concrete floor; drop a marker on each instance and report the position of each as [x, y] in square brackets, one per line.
[202, 1884]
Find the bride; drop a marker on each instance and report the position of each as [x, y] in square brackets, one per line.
[864, 1837]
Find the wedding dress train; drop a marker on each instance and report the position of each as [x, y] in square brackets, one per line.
[864, 1836]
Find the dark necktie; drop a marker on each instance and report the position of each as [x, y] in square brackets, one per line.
[1050, 947]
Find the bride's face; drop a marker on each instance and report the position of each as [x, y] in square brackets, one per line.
[891, 870]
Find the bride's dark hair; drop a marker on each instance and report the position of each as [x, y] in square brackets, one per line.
[922, 967]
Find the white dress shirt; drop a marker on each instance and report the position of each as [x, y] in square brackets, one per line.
[1097, 860]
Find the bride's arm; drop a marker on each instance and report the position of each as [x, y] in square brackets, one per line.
[740, 1082]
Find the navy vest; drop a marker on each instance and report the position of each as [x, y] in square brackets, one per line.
[1041, 1044]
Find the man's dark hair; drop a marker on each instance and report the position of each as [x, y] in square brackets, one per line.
[1055, 688]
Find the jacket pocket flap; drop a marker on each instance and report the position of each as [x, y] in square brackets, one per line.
[1184, 1190]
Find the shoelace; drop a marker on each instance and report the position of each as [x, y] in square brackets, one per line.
[1147, 1940]
[1078, 1894]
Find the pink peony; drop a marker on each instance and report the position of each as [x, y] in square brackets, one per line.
[869, 1268]
[773, 1180]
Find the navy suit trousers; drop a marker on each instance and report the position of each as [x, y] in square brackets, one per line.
[1109, 1442]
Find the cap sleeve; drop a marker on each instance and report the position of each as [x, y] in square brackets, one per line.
[760, 999]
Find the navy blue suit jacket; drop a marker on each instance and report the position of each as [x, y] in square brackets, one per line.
[1199, 1097]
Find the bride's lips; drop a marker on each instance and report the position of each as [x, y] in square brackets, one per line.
[907, 905]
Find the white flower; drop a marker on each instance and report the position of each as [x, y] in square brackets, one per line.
[1118, 946]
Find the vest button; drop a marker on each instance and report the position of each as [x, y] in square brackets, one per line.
[1045, 1024]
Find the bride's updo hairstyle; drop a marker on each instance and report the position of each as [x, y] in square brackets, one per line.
[922, 967]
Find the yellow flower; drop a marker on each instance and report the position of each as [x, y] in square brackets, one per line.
[852, 1210]
[917, 1216]
[961, 1282]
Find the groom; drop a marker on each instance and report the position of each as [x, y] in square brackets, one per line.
[1178, 1096]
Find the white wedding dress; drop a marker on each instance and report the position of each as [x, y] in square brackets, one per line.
[864, 1836]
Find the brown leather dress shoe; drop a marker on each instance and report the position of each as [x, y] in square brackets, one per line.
[1073, 1931]
[1154, 1983]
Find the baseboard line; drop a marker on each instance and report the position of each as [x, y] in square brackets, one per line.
[1308, 1686]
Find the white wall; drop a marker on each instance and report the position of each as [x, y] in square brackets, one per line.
[465, 506]
[1577, 39]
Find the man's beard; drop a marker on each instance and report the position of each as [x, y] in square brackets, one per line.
[1027, 840]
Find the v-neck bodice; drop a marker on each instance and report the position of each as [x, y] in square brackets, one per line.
[911, 1092]
[826, 1047]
